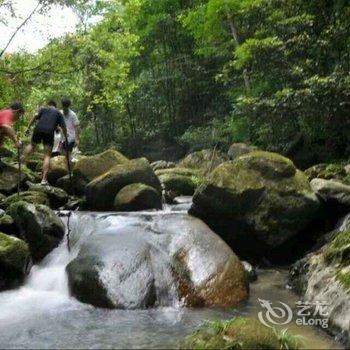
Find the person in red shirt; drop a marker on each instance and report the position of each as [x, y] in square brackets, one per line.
[7, 118]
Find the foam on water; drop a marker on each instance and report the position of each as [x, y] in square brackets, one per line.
[42, 314]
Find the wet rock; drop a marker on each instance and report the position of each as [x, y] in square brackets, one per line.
[324, 276]
[137, 197]
[57, 197]
[58, 169]
[88, 168]
[238, 333]
[162, 164]
[40, 227]
[101, 192]
[14, 258]
[153, 260]
[257, 202]
[332, 191]
[205, 161]
[238, 149]
[9, 179]
[250, 270]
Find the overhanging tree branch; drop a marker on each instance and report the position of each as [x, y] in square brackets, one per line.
[19, 28]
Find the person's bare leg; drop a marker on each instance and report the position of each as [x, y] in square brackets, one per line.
[28, 152]
[46, 164]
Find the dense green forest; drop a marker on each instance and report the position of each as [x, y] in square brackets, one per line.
[198, 74]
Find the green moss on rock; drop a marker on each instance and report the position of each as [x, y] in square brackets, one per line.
[262, 195]
[33, 197]
[338, 250]
[239, 333]
[136, 197]
[14, 254]
[343, 276]
[91, 167]
[101, 192]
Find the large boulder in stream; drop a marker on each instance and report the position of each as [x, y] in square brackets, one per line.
[14, 258]
[257, 202]
[138, 261]
[88, 168]
[324, 276]
[40, 227]
[101, 192]
[137, 197]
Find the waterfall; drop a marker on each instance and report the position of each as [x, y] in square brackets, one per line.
[46, 287]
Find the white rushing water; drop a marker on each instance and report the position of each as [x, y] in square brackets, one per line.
[42, 314]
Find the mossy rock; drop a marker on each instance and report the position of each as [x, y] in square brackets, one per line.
[326, 171]
[14, 253]
[91, 167]
[137, 197]
[14, 258]
[101, 192]
[338, 250]
[41, 228]
[205, 161]
[73, 185]
[238, 333]
[261, 200]
[33, 197]
[58, 169]
[180, 181]
[57, 196]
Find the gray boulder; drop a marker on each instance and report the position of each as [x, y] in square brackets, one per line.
[153, 260]
[333, 191]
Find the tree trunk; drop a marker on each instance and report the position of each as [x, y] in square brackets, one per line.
[237, 43]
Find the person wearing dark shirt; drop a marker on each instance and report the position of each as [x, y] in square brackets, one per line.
[47, 120]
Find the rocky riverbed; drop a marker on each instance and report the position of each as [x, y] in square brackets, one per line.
[146, 252]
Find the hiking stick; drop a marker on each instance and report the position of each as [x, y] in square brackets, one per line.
[69, 165]
[19, 170]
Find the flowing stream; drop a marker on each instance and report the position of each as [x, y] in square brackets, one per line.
[42, 314]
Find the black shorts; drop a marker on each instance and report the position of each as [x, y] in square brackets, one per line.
[71, 145]
[45, 138]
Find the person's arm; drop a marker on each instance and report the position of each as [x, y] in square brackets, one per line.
[8, 130]
[62, 125]
[32, 121]
[77, 129]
